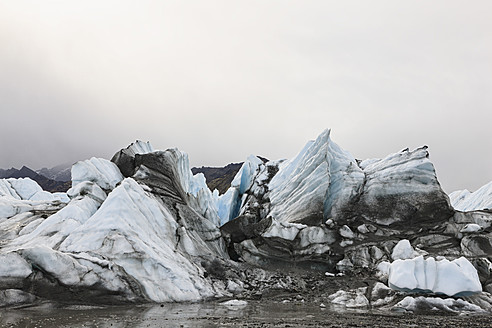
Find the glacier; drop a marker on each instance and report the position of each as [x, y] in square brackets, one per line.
[142, 228]
[117, 237]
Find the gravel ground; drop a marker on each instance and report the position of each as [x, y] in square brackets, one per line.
[255, 314]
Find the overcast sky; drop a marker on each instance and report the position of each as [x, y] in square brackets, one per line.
[225, 79]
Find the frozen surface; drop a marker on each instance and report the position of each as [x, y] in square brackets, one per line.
[284, 230]
[140, 147]
[351, 299]
[24, 195]
[422, 303]
[403, 250]
[229, 203]
[28, 189]
[98, 170]
[122, 239]
[235, 303]
[411, 169]
[316, 183]
[195, 187]
[86, 199]
[138, 234]
[471, 227]
[463, 200]
[451, 278]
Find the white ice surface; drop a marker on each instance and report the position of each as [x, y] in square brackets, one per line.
[138, 234]
[234, 303]
[108, 241]
[283, 230]
[406, 172]
[403, 250]
[351, 299]
[463, 200]
[245, 176]
[14, 266]
[25, 187]
[319, 180]
[86, 199]
[28, 189]
[413, 304]
[23, 195]
[102, 172]
[471, 227]
[140, 147]
[457, 277]
[195, 186]
[11, 206]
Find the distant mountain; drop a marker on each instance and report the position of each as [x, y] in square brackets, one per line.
[45, 183]
[219, 178]
[60, 172]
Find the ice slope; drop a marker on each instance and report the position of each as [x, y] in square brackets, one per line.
[463, 200]
[316, 183]
[452, 278]
[168, 173]
[98, 170]
[345, 200]
[324, 181]
[118, 239]
[142, 237]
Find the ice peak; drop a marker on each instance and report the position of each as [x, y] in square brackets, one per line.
[140, 147]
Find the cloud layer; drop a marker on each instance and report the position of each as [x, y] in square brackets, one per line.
[223, 79]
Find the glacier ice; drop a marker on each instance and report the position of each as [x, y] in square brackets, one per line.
[98, 170]
[125, 158]
[117, 236]
[23, 195]
[140, 235]
[144, 228]
[351, 299]
[228, 205]
[28, 189]
[422, 303]
[471, 227]
[463, 200]
[316, 183]
[325, 186]
[403, 250]
[452, 278]
[168, 173]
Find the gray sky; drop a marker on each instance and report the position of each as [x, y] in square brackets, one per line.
[224, 79]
